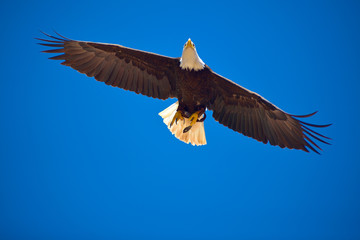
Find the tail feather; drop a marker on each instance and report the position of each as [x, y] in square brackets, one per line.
[195, 136]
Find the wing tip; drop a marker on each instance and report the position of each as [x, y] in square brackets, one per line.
[305, 115]
[54, 39]
[309, 135]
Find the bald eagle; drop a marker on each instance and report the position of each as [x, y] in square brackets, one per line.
[196, 87]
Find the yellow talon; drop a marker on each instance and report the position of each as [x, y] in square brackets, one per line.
[177, 116]
[193, 119]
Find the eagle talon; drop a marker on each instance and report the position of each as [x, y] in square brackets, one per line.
[193, 119]
[187, 129]
[177, 116]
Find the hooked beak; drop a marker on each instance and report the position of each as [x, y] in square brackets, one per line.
[190, 44]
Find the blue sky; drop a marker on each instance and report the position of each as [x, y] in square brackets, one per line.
[82, 160]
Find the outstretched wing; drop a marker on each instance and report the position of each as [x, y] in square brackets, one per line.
[142, 72]
[248, 113]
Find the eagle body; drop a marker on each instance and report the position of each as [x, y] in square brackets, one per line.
[196, 87]
[190, 82]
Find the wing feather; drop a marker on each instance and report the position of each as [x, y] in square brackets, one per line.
[142, 72]
[253, 116]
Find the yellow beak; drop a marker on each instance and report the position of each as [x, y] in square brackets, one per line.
[189, 43]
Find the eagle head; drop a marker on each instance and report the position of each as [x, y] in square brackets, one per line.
[190, 60]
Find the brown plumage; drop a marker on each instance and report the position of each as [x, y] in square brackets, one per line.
[162, 77]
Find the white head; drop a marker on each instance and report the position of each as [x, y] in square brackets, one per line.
[190, 60]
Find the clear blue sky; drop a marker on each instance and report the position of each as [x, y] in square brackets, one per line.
[82, 160]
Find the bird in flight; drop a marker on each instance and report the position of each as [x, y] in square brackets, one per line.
[196, 87]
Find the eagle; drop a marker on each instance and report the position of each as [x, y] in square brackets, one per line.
[196, 87]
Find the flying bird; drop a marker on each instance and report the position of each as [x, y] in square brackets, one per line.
[196, 87]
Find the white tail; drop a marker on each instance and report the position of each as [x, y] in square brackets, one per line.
[195, 136]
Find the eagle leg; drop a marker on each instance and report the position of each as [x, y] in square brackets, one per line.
[194, 118]
[178, 115]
